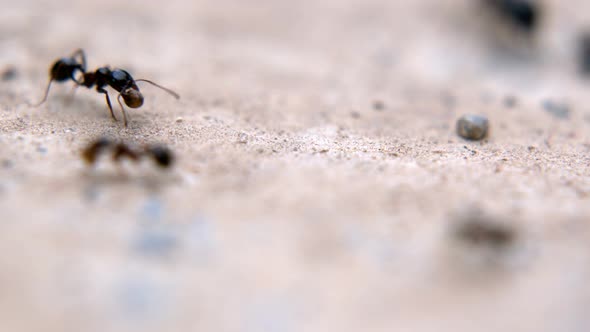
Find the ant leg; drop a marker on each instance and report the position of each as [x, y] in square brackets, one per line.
[45, 97]
[122, 110]
[101, 90]
[161, 87]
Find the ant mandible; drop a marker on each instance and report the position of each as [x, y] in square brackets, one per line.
[118, 79]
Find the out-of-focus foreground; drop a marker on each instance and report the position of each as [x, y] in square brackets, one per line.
[320, 184]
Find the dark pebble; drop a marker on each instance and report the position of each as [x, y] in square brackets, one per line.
[448, 100]
[378, 105]
[7, 163]
[472, 127]
[9, 74]
[156, 242]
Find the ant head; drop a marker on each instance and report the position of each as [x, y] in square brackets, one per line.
[91, 152]
[132, 97]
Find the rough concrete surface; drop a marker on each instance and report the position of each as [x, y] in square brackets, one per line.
[318, 170]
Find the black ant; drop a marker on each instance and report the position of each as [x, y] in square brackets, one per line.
[118, 79]
[161, 155]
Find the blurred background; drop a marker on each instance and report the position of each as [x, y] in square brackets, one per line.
[320, 184]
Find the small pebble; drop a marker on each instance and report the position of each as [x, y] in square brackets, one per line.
[243, 138]
[9, 73]
[510, 101]
[557, 109]
[448, 100]
[156, 242]
[378, 105]
[472, 127]
[179, 119]
[42, 150]
[7, 163]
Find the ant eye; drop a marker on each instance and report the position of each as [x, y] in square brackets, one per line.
[132, 97]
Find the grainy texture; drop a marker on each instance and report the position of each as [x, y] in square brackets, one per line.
[297, 203]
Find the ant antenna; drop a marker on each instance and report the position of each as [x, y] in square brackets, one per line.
[161, 87]
[45, 97]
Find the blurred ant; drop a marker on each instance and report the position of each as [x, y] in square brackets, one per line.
[160, 154]
[118, 79]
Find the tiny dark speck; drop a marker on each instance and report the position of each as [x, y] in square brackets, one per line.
[510, 101]
[378, 105]
[9, 73]
[154, 242]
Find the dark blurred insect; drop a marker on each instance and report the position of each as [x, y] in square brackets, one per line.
[160, 154]
[120, 80]
[524, 14]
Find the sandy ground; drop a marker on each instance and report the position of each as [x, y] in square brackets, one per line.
[297, 203]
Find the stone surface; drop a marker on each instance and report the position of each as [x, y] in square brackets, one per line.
[282, 212]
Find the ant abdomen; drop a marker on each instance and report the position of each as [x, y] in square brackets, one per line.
[64, 69]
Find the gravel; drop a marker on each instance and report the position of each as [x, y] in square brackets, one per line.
[473, 127]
